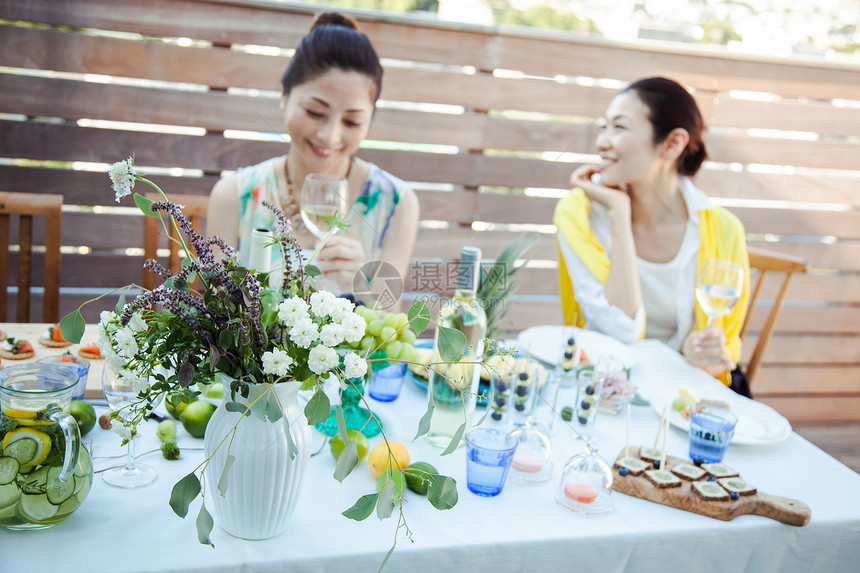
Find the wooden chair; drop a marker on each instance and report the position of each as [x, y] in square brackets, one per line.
[26, 206]
[195, 207]
[767, 261]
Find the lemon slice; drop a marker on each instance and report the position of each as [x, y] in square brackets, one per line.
[26, 417]
[27, 445]
[688, 395]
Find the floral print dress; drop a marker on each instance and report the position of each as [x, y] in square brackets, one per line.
[370, 216]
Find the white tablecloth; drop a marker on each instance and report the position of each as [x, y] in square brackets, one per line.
[523, 529]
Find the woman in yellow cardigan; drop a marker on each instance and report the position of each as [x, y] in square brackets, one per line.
[635, 231]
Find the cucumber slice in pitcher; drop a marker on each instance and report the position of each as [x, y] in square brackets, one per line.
[35, 481]
[9, 495]
[37, 507]
[23, 450]
[56, 490]
[9, 467]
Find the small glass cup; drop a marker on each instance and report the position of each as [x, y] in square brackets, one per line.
[589, 385]
[524, 387]
[386, 382]
[711, 431]
[80, 365]
[489, 452]
[500, 404]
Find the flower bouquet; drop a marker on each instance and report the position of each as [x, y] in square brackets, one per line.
[219, 320]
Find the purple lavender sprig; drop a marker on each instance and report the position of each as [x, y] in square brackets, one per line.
[289, 246]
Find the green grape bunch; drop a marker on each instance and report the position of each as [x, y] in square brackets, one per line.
[390, 332]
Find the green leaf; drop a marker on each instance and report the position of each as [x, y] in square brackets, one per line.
[455, 441]
[238, 408]
[225, 338]
[346, 461]
[72, 326]
[312, 271]
[388, 555]
[257, 402]
[318, 407]
[442, 492]
[223, 480]
[183, 494]
[292, 449]
[419, 316]
[120, 304]
[362, 508]
[204, 526]
[452, 343]
[424, 424]
[385, 504]
[273, 408]
[143, 204]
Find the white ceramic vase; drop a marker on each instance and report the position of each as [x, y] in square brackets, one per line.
[264, 484]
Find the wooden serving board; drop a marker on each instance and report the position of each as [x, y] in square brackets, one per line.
[782, 509]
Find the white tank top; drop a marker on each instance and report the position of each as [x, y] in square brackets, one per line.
[668, 292]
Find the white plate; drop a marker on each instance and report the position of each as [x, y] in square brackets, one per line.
[758, 424]
[545, 343]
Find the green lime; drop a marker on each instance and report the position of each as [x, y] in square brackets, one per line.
[84, 415]
[336, 445]
[176, 412]
[418, 477]
[196, 416]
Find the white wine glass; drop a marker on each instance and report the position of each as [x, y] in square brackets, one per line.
[323, 196]
[118, 394]
[719, 287]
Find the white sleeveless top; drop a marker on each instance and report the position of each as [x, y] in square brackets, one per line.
[668, 292]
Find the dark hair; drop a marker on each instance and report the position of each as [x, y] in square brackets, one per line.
[671, 106]
[333, 42]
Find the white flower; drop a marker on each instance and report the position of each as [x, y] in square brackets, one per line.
[353, 326]
[342, 308]
[304, 332]
[137, 382]
[332, 334]
[277, 362]
[355, 366]
[113, 360]
[122, 177]
[323, 303]
[108, 322]
[120, 430]
[126, 344]
[137, 324]
[292, 310]
[321, 359]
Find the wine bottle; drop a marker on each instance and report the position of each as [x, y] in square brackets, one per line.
[454, 388]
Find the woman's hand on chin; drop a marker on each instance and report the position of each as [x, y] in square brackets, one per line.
[706, 349]
[610, 197]
[339, 261]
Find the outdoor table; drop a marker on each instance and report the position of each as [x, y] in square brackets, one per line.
[522, 529]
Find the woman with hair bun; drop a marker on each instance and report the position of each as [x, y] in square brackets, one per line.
[635, 231]
[329, 93]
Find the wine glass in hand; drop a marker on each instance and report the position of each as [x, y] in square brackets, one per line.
[719, 287]
[119, 393]
[323, 196]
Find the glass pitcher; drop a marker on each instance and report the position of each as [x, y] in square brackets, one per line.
[45, 474]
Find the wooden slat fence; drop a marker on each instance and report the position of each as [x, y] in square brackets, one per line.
[487, 122]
